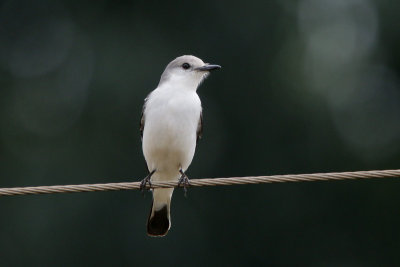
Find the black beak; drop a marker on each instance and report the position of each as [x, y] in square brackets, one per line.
[208, 67]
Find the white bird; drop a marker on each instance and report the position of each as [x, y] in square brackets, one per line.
[170, 126]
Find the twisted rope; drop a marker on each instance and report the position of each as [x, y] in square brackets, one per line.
[201, 182]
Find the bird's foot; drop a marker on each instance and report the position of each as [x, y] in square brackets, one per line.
[145, 181]
[183, 181]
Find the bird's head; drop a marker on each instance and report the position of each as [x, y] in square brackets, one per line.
[188, 71]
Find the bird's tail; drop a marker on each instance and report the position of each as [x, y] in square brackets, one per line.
[159, 220]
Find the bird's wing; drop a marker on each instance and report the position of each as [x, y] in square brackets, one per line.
[142, 119]
[200, 127]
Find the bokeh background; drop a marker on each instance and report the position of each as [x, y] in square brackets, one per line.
[306, 86]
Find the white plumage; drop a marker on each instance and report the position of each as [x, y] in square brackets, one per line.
[169, 136]
[170, 126]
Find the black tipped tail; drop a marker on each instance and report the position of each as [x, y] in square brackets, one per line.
[158, 223]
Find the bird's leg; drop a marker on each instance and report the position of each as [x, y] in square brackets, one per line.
[146, 181]
[184, 181]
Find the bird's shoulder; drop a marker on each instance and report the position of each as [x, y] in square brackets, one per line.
[173, 96]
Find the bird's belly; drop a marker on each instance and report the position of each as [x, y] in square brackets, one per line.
[169, 135]
[169, 144]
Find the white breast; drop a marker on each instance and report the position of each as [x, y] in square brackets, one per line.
[169, 136]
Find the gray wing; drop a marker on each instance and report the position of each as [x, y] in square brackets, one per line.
[200, 127]
[142, 119]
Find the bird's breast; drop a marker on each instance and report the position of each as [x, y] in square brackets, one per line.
[170, 128]
[172, 122]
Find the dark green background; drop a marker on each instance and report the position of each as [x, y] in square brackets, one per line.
[306, 86]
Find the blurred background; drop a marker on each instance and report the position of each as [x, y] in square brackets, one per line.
[306, 86]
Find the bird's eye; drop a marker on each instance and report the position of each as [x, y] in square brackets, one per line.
[185, 66]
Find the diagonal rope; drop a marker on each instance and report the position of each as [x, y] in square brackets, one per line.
[201, 182]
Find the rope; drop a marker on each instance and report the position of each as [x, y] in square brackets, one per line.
[201, 182]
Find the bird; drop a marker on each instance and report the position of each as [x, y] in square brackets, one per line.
[171, 125]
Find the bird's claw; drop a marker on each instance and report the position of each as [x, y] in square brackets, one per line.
[183, 182]
[145, 181]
